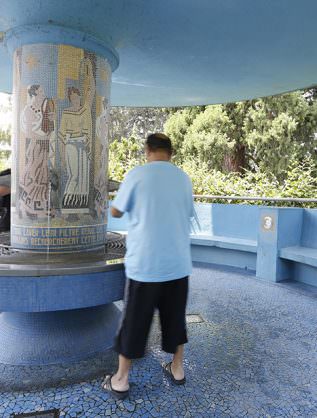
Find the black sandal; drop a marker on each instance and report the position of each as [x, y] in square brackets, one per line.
[167, 368]
[118, 394]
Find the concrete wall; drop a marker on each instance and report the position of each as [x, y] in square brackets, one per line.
[238, 221]
[276, 243]
[309, 230]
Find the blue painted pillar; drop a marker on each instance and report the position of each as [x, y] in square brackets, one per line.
[278, 228]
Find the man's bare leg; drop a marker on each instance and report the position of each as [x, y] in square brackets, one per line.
[177, 367]
[120, 380]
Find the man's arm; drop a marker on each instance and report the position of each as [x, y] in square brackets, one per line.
[115, 212]
[124, 198]
[4, 190]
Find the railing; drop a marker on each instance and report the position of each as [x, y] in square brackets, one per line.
[256, 198]
[248, 198]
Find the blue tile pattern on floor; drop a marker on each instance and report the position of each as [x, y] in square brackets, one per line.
[254, 356]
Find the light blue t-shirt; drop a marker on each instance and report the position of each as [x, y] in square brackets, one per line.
[158, 198]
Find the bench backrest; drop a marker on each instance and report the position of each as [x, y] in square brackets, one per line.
[309, 228]
[236, 221]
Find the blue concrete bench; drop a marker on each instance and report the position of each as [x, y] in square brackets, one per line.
[304, 255]
[240, 236]
[306, 250]
[221, 234]
[230, 243]
[225, 234]
[287, 245]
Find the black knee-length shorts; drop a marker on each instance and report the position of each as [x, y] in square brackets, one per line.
[141, 299]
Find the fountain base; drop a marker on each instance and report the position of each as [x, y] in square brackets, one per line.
[52, 348]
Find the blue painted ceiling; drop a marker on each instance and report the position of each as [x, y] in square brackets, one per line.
[187, 52]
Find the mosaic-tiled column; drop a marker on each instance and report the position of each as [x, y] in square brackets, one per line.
[59, 201]
[60, 148]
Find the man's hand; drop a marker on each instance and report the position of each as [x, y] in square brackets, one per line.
[115, 212]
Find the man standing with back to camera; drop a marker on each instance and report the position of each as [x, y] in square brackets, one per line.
[158, 198]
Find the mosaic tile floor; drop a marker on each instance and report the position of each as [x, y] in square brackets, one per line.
[253, 356]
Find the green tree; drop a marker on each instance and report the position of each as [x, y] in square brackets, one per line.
[124, 155]
[300, 181]
[137, 122]
[5, 149]
[177, 126]
[265, 133]
[281, 129]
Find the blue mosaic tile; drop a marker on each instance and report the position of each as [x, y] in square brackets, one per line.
[254, 356]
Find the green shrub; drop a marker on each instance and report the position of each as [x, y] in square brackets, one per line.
[300, 182]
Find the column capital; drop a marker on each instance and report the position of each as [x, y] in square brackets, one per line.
[52, 34]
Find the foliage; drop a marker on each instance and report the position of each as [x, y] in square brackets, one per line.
[5, 130]
[137, 122]
[124, 155]
[300, 181]
[264, 147]
[177, 126]
[279, 129]
[257, 134]
[5, 150]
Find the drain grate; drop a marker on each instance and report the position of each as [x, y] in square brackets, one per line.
[52, 413]
[194, 318]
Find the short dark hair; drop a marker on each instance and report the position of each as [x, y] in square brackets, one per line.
[159, 141]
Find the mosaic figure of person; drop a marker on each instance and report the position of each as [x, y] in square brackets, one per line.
[37, 125]
[75, 135]
[102, 126]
